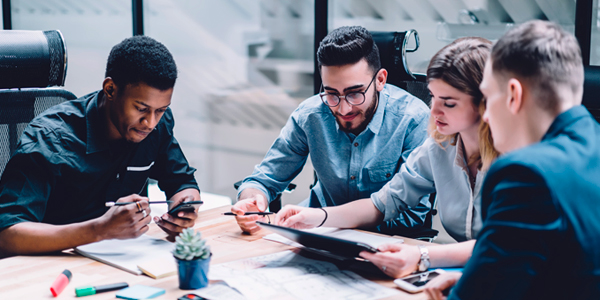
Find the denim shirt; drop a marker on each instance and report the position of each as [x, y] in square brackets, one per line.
[348, 167]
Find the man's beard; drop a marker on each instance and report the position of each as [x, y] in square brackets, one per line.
[368, 113]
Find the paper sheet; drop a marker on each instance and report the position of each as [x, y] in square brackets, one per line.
[127, 254]
[286, 275]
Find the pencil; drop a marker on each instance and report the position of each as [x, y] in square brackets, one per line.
[260, 213]
[109, 204]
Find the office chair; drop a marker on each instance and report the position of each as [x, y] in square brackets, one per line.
[33, 64]
[393, 47]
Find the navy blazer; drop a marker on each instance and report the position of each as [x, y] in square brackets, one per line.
[541, 210]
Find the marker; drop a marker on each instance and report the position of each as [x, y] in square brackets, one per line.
[260, 213]
[60, 282]
[93, 290]
[109, 204]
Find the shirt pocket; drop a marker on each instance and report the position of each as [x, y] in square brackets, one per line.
[380, 174]
[136, 176]
[140, 168]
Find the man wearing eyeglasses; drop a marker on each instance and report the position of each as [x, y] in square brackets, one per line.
[357, 130]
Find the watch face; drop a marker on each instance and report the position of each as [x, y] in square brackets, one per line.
[423, 266]
[424, 263]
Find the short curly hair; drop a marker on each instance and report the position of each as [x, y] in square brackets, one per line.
[141, 59]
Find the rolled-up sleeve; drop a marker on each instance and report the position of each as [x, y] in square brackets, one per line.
[282, 163]
[408, 186]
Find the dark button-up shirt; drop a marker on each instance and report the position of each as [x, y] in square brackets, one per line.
[541, 225]
[65, 168]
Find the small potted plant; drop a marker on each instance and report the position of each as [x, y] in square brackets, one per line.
[193, 259]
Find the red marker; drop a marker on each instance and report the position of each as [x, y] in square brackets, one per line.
[60, 282]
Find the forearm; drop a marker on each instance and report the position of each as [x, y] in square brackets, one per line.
[450, 255]
[32, 237]
[359, 213]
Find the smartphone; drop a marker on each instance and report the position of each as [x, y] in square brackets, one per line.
[191, 297]
[416, 283]
[185, 206]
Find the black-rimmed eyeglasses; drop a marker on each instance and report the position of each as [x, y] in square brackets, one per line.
[353, 98]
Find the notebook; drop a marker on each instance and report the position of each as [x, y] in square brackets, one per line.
[159, 267]
[128, 254]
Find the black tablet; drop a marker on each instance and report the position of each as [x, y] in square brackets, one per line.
[333, 245]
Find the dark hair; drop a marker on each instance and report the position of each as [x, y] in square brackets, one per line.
[348, 45]
[543, 55]
[460, 64]
[141, 59]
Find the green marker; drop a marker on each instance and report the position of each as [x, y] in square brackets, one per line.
[93, 290]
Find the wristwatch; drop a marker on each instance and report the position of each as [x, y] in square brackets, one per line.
[424, 263]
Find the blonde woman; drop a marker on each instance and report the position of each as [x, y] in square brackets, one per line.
[451, 162]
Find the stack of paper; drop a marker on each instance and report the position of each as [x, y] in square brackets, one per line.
[286, 275]
[151, 253]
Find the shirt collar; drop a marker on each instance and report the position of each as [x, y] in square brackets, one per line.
[565, 119]
[459, 158]
[97, 139]
[377, 120]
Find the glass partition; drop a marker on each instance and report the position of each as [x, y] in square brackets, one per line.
[439, 22]
[244, 66]
[595, 37]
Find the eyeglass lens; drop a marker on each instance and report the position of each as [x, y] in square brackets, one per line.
[353, 98]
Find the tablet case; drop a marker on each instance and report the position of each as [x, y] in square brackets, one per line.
[333, 245]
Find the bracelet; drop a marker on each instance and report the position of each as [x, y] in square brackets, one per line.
[325, 217]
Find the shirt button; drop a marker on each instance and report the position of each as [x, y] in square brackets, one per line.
[388, 175]
[117, 176]
[355, 144]
[352, 177]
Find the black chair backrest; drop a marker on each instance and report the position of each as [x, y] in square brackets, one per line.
[393, 47]
[591, 90]
[32, 65]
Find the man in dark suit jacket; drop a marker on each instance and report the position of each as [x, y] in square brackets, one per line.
[541, 199]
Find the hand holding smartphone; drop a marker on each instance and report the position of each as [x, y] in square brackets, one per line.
[189, 206]
[416, 283]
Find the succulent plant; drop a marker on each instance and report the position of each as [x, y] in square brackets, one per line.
[189, 245]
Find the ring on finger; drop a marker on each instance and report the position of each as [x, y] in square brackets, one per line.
[383, 268]
[144, 213]
[139, 206]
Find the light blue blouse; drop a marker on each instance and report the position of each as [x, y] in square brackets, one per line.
[433, 168]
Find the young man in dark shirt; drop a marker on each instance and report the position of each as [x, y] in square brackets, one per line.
[102, 147]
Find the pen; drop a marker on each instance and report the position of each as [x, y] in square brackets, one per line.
[93, 290]
[109, 204]
[260, 213]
